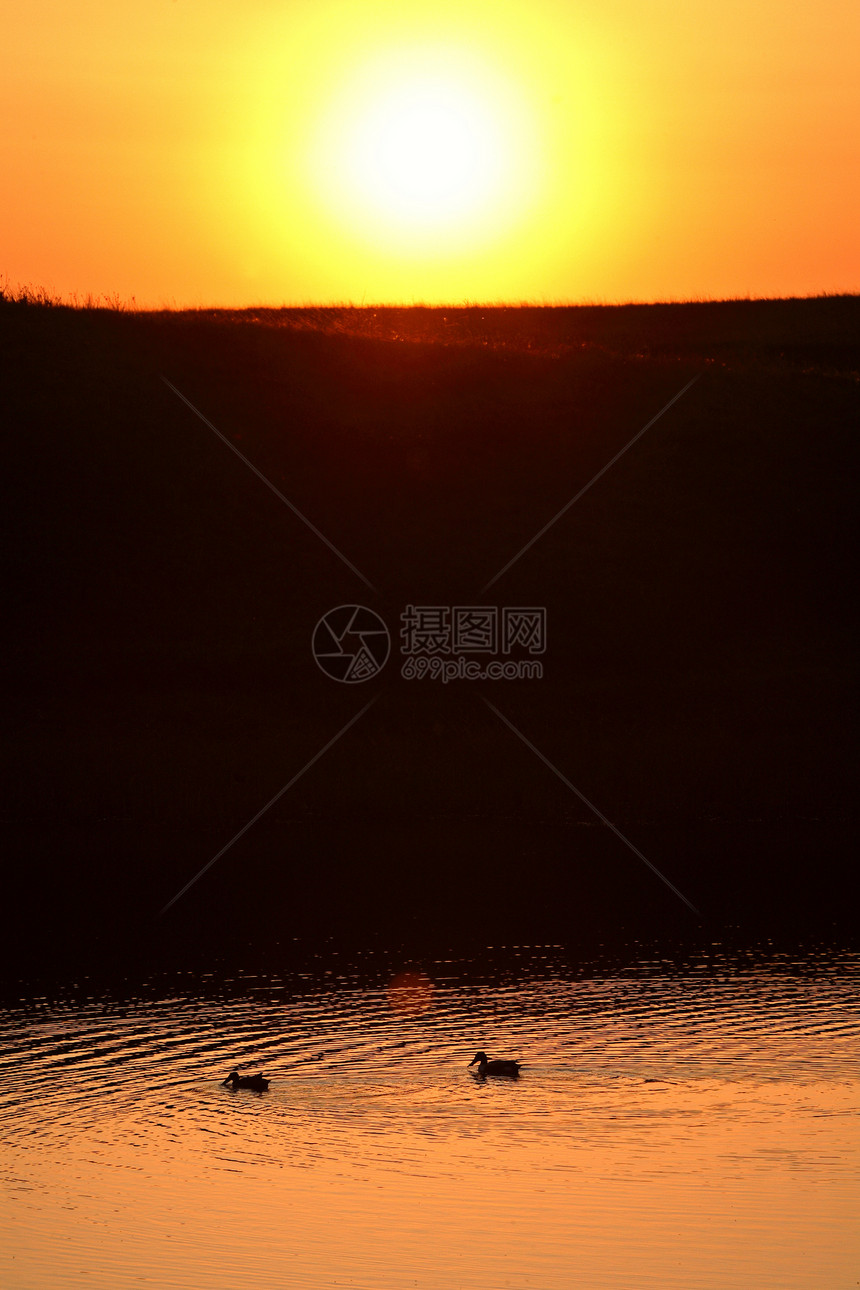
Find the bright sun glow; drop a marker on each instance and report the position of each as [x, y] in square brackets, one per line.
[422, 155]
[308, 151]
[426, 154]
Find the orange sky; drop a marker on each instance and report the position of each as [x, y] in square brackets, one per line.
[188, 152]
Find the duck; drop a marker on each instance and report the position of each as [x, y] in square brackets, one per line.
[495, 1067]
[256, 1082]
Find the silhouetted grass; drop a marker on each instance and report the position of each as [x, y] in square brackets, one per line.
[812, 333]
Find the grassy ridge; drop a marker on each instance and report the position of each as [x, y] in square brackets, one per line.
[807, 333]
[813, 333]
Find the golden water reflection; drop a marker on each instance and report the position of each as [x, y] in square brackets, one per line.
[692, 1128]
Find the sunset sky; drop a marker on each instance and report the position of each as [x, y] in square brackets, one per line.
[187, 152]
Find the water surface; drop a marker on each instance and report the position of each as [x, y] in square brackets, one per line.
[674, 1126]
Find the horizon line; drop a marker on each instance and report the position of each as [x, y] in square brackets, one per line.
[48, 297]
[43, 296]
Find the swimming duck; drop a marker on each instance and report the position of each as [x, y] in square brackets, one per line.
[256, 1082]
[496, 1067]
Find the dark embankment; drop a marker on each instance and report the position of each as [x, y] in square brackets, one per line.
[160, 601]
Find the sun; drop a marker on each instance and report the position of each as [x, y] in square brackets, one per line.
[425, 154]
[417, 163]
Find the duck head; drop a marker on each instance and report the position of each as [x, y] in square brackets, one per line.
[479, 1057]
[234, 1075]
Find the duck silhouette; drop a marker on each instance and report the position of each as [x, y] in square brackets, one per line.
[495, 1067]
[256, 1082]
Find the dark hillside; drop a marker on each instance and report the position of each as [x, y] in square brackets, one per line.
[161, 602]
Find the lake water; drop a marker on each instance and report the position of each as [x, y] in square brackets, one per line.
[689, 1125]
